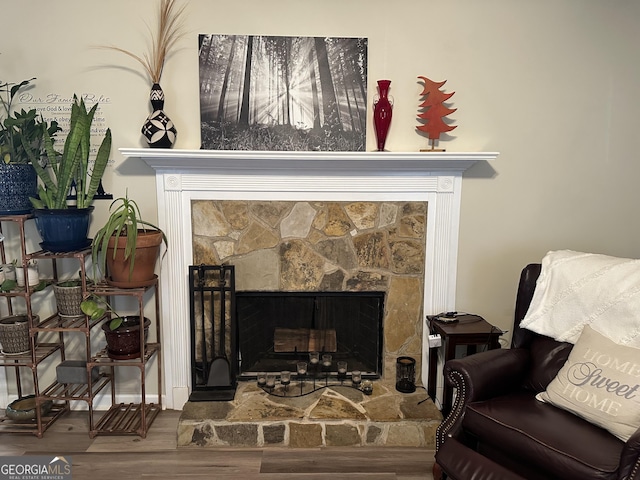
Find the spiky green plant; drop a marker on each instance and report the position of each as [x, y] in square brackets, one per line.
[124, 221]
[72, 165]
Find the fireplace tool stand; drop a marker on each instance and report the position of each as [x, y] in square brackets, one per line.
[213, 326]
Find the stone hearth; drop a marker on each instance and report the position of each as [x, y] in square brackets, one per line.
[334, 416]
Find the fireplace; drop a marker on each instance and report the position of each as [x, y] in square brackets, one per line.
[278, 329]
[320, 258]
[183, 176]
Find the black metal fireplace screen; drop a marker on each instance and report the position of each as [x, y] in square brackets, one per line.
[278, 329]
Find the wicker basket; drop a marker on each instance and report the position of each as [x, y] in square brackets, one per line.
[14, 334]
[68, 300]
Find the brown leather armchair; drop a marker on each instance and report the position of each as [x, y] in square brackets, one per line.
[498, 430]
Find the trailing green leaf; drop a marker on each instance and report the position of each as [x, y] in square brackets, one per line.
[96, 307]
[8, 285]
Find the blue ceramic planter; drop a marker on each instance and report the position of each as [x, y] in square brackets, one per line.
[18, 182]
[63, 230]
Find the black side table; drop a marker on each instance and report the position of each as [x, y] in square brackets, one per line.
[469, 330]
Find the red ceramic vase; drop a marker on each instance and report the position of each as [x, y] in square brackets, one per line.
[382, 111]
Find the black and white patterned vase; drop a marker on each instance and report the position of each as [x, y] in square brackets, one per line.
[158, 129]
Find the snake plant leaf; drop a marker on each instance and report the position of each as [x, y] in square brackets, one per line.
[72, 153]
[99, 166]
[50, 189]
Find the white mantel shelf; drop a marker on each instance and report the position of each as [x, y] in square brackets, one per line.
[192, 161]
[183, 176]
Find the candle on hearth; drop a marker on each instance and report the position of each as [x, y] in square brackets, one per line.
[314, 358]
[326, 360]
[271, 380]
[342, 368]
[367, 387]
[302, 368]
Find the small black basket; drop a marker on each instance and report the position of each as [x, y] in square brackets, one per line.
[406, 374]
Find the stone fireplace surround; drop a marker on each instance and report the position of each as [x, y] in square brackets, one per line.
[186, 175]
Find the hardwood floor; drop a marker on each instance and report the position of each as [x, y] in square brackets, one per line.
[158, 458]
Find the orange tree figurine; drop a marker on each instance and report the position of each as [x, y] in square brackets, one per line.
[432, 110]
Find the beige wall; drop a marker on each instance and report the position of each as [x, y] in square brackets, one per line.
[551, 84]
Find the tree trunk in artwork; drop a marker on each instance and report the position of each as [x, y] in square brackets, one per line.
[329, 101]
[204, 59]
[361, 77]
[345, 82]
[358, 93]
[314, 91]
[207, 80]
[287, 79]
[225, 81]
[244, 110]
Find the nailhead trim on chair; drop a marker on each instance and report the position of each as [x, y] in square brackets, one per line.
[635, 469]
[457, 380]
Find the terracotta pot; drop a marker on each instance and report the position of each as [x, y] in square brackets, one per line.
[123, 343]
[146, 253]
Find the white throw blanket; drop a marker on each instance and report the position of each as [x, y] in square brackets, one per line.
[575, 289]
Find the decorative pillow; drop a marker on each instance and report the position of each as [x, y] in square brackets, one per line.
[600, 382]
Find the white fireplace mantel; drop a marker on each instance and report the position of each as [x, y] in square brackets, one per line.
[186, 175]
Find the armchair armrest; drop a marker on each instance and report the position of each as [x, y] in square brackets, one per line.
[630, 458]
[478, 377]
[487, 374]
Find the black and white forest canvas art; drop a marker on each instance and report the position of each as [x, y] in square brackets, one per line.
[283, 93]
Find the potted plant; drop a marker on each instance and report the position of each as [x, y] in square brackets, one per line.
[18, 179]
[121, 332]
[14, 333]
[32, 272]
[63, 227]
[68, 295]
[126, 247]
